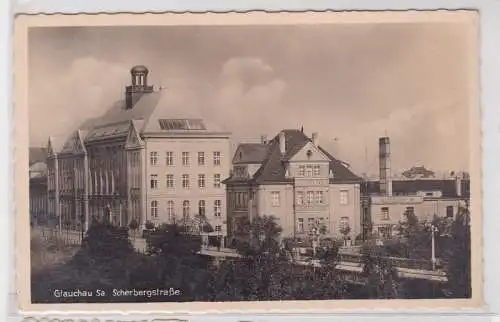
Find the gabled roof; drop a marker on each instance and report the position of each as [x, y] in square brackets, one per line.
[37, 154]
[250, 153]
[272, 169]
[447, 187]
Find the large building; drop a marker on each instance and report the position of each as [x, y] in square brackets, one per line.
[37, 185]
[294, 179]
[147, 158]
[418, 190]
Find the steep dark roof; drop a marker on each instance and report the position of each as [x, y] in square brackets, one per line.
[273, 170]
[409, 187]
[250, 153]
[37, 154]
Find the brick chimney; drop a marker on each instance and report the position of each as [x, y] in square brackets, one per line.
[315, 138]
[139, 80]
[385, 166]
[458, 184]
[282, 142]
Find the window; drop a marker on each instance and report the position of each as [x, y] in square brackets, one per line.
[344, 197]
[309, 170]
[310, 197]
[153, 158]
[169, 158]
[185, 158]
[316, 170]
[240, 171]
[385, 231]
[449, 211]
[218, 228]
[217, 208]
[185, 210]
[302, 170]
[201, 181]
[344, 223]
[300, 198]
[410, 210]
[310, 224]
[217, 180]
[275, 198]
[385, 213]
[217, 158]
[170, 210]
[154, 209]
[185, 181]
[201, 158]
[170, 181]
[300, 225]
[429, 194]
[201, 207]
[319, 197]
[154, 181]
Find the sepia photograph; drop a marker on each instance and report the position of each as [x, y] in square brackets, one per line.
[250, 162]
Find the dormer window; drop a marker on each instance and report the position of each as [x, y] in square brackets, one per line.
[240, 171]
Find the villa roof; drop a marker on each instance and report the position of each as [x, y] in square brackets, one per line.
[272, 169]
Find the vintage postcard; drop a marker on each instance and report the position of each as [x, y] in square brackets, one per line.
[247, 161]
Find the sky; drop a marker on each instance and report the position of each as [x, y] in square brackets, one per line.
[351, 83]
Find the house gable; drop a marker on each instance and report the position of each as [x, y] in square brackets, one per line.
[74, 144]
[309, 153]
[133, 138]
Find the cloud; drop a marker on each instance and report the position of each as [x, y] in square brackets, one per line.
[61, 99]
[248, 92]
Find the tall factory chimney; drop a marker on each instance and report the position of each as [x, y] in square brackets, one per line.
[385, 166]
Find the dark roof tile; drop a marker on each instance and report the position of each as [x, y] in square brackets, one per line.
[273, 170]
[251, 153]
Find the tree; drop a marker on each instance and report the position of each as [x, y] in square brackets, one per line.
[457, 255]
[259, 237]
[133, 225]
[382, 279]
[173, 261]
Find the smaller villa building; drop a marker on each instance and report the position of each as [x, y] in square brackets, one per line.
[294, 179]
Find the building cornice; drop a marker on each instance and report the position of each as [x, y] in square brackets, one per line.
[195, 135]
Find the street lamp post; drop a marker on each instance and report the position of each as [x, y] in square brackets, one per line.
[434, 230]
[314, 241]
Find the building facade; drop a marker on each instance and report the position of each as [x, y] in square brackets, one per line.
[295, 180]
[418, 191]
[38, 189]
[145, 159]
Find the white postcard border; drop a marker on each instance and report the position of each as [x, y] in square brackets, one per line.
[484, 133]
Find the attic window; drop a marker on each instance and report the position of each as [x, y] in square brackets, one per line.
[181, 124]
[309, 153]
